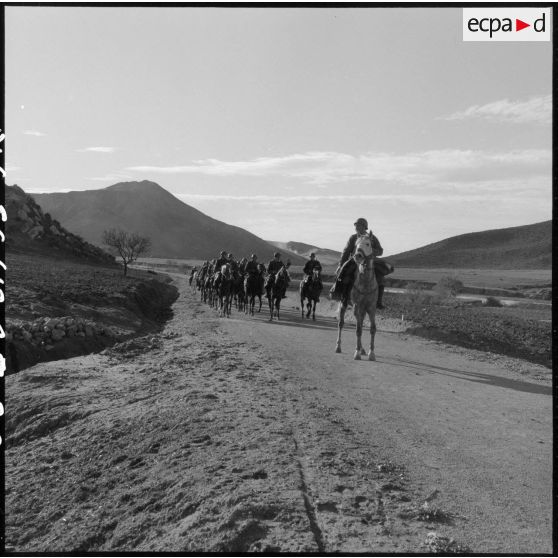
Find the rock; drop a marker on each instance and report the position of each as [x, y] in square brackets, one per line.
[58, 334]
[71, 331]
[89, 331]
[27, 336]
[52, 323]
[36, 231]
[22, 214]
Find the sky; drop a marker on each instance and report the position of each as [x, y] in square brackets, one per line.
[288, 122]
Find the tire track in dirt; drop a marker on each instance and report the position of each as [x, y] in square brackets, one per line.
[309, 505]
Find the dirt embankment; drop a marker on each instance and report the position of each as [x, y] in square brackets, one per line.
[60, 309]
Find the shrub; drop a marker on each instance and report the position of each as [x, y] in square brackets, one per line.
[492, 302]
[448, 286]
[418, 295]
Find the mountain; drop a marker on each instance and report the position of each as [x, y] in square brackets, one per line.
[525, 247]
[324, 255]
[176, 229]
[30, 230]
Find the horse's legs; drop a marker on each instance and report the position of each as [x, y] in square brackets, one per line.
[359, 315]
[372, 316]
[302, 306]
[314, 310]
[270, 302]
[340, 324]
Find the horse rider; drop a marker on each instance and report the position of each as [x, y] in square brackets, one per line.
[344, 269]
[275, 264]
[273, 267]
[192, 271]
[309, 268]
[233, 263]
[221, 261]
[252, 265]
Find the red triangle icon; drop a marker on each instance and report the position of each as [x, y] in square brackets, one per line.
[519, 25]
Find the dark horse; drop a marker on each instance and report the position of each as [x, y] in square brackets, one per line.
[224, 289]
[364, 294]
[310, 289]
[239, 294]
[276, 289]
[253, 287]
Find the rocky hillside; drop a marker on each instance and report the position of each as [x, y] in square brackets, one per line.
[30, 230]
[525, 247]
[176, 229]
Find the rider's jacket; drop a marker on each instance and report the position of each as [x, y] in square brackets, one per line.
[220, 263]
[349, 249]
[274, 266]
[310, 265]
[251, 267]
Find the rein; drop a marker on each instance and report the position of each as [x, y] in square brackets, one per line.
[364, 269]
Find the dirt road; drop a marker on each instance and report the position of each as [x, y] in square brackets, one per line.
[237, 434]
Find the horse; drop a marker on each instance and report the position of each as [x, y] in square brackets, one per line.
[364, 295]
[223, 286]
[238, 292]
[310, 289]
[276, 289]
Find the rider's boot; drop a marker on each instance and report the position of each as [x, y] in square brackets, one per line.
[379, 303]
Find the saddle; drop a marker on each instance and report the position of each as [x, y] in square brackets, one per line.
[343, 281]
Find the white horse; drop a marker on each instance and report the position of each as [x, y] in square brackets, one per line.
[364, 295]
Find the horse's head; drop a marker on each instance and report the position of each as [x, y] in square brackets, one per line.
[364, 251]
[226, 270]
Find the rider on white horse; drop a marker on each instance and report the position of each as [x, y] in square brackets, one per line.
[345, 269]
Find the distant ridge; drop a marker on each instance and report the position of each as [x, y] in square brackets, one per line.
[524, 247]
[324, 255]
[176, 229]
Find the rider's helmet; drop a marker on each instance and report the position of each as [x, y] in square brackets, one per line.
[223, 253]
[277, 255]
[361, 221]
[253, 256]
[312, 255]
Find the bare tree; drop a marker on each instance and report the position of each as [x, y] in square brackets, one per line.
[128, 245]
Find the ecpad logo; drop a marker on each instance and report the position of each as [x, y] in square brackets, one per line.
[506, 24]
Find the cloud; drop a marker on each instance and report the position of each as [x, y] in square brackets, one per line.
[418, 168]
[35, 133]
[96, 150]
[536, 110]
[481, 192]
